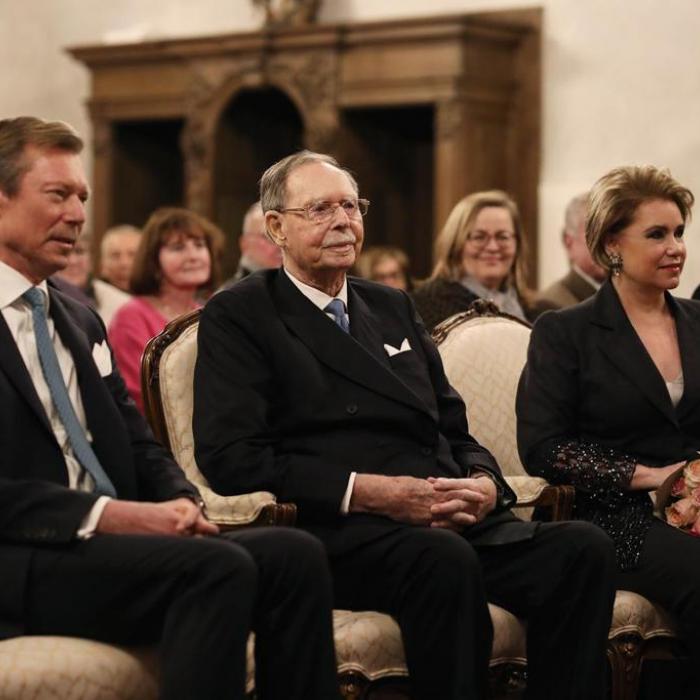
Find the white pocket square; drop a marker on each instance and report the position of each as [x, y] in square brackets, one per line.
[102, 358]
[391, 350]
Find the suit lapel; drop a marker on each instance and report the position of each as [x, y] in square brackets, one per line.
[12, 364]
[623, 347]
[359, 356]
[92, 389]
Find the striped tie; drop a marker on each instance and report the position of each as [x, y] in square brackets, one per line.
[59, 395]
[336, 308]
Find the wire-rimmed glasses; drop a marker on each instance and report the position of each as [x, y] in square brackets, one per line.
[322, 210]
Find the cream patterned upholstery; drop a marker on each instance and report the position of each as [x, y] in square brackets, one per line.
[176, 372]
[369, 643]
[483, 359]
[64, 668]
[634, 614]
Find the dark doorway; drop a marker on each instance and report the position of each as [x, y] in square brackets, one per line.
[256, 129]
[148, 169]
[390, 150]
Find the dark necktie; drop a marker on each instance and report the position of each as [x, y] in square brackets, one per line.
[336, 308]
[59, 395]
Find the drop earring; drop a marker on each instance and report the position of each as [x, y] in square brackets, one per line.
[615, 264]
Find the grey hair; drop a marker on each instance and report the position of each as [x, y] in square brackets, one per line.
[273, 183]
[253, 211]
[575, 213]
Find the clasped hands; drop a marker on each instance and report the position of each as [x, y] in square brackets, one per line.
[180, 517]
[435, 502]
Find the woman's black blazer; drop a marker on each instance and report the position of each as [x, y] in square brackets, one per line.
[591, 405]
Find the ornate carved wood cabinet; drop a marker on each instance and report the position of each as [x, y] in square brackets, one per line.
[424, 111]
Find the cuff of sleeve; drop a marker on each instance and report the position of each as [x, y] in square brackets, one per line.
[345, 503]
[505, 497]
[88, 526]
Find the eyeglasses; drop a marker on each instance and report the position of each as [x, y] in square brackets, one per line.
[480, 238]
[318, 212]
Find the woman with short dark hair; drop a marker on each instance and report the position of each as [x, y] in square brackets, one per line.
[176, 266]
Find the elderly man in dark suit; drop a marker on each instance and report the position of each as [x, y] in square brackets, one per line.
[328, 391]
[101, 535]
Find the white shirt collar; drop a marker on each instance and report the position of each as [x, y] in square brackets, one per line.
[316, 296]
[594, 283]
[13, 284]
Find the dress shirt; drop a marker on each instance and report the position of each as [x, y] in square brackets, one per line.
[321, 299]
[18, 316]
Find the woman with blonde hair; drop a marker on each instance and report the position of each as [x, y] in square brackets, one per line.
[176, 268]
[609, 400]
[480, 253]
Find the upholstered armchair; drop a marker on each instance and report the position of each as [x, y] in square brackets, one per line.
[484, 352]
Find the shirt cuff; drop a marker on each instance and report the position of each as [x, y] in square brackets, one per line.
[345, 503]
[89, 523]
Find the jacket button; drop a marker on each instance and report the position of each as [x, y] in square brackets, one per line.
[427, 451]
[351, 408]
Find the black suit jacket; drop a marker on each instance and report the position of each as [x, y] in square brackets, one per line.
[37, 509]
[286, 401]
[591, 404]
[589, 377]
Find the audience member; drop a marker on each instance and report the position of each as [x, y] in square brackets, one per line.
[609, 400]
[386, 264]
[480, 253]
[76, 281]
[102, 536]
[327, 391]
[585, 276]
[696, 293]
[176, 265]
[117, 252]
[258, 252]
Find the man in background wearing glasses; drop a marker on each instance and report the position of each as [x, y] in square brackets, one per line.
[328, 391]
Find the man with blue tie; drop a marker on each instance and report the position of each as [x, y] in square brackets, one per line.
[101, 535]
[327, 390]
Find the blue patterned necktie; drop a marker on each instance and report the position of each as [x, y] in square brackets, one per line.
[59, 395]
[336, 308]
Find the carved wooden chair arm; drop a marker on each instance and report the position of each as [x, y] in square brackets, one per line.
[259, 508]
[533, 491]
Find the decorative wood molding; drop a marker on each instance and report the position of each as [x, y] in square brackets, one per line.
[479, 73]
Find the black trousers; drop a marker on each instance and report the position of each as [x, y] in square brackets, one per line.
[199, 598]
[437, 585]
[668, 573]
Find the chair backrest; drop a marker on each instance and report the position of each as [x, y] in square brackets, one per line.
[484, 352]
[166, 376]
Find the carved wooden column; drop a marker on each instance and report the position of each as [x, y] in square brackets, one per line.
[102, 168]
[451, 162]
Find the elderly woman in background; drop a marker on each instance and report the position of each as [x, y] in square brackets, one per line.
[386, 264]
[480, 253]
[176, 266]
[76, 281]
[609, 400]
